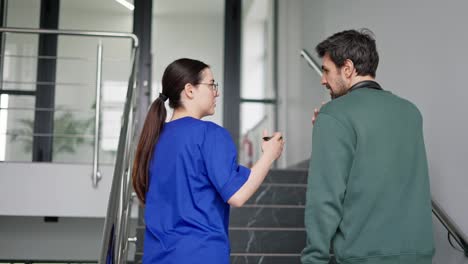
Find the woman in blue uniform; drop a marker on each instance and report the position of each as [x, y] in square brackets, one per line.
[186, 173]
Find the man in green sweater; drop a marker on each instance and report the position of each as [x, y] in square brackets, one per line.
[368, 195]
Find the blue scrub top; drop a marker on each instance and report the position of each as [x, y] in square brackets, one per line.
[192, 174]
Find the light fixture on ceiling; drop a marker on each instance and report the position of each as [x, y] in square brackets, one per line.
[126, 4]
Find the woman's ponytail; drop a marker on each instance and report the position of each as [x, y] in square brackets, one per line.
[152, 128]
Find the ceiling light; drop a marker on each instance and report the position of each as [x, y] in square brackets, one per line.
[126, 4]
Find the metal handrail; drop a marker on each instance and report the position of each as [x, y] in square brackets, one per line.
[103, 34]
[115, 107]
[446, 221]
[47, 261]
[115, 236]
[311, 62]
[96, 176]
[83, 59]
[451, 227]
[49, 83]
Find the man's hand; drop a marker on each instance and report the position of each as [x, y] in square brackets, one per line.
[316, 112]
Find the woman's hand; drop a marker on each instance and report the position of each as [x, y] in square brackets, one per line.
[274, 146]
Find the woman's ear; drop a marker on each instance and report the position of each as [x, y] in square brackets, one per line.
[189, 90]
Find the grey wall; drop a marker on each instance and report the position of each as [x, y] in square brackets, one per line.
[298, 88]
[422, 45]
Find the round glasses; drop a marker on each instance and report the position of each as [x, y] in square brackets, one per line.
[214, 86]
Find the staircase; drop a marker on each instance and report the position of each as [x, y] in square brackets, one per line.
[269, 228]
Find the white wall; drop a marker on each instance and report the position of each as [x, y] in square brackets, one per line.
[30, 238]
[196, 36]
[422, 47]
[48, 189]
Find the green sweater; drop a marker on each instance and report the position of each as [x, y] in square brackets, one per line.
[368, 190]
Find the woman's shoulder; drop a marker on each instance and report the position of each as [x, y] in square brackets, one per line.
[212, 127]
[196, 126]
[215, 134]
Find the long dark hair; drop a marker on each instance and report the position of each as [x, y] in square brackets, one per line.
[175, 77]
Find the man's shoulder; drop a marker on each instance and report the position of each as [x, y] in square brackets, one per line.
[370, 106]
[403, 105]
[366, 99]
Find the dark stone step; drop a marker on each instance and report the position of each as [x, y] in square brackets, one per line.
[274, 242]
[287, 176]
[267, 217]
[269, 260]
[265, 260]
[249, 259]
[270, 241]
[279, 195]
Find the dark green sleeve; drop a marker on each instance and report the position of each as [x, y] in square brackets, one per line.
[330, 163]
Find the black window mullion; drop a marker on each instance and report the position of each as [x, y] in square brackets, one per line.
[232, 68]
[46, 70]
[3, 19]
[142, 15]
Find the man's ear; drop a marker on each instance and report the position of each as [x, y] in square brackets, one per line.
[189, 90]
[348, 68]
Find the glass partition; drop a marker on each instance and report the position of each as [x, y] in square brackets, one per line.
[258, 85]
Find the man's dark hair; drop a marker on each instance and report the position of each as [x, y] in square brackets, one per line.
[357, 46]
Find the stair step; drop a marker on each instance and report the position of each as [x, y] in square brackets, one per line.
[266, 259]
[264, 242]
[287, 176]
[267, 217]
[279, 195]
[267, 241]
[251, 258]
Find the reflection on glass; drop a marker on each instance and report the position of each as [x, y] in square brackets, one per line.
[73, 134]
[18, 130]
[255, 117]
[257, 50]
[20, 62]
[17, 147]
[3, 124]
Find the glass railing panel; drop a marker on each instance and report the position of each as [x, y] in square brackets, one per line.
[16, 127]
[19, 68]
[255, 117]
[73, 134]
[75, 100]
